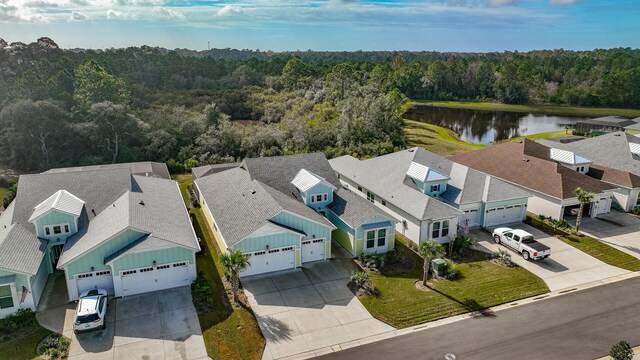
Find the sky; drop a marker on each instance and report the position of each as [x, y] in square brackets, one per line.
[281, 25]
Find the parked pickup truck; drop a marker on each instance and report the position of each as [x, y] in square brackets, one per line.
[522, 242]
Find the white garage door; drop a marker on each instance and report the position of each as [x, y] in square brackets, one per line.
[472, 216]
[602, 206]
[313, 250]
[270, 260]
[153, 278]
[95, 280]
[505, 215]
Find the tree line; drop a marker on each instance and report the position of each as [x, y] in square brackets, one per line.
[75, 107]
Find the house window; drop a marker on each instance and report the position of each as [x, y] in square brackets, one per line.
[382, 237]
[384, 203]
[56, 229]
[6, 297]
[371, 239]
[318, 198]
[359, 188]
[338, 176]
[445, 228]
[66, 228]
[47, 231]
[435, 232]
[371, 197]
[325, 197]
[435, 188]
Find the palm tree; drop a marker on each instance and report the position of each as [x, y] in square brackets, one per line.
[584, 197]
[233, 263]
[429, 250]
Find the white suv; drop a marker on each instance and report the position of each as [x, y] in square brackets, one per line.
[91, 311]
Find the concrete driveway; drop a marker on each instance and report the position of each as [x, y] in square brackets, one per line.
[158, 325]
[304, 312]
[567, 266]
[618, 229]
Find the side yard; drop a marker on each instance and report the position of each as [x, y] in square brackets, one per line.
[19, 337]
[435, 138]
[480, 284]
[228, 332]
[588, 245]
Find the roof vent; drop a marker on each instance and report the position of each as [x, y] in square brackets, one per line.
[525, 160]
[519, 141]
[411, 150]
[141, 202]
[93, 211]
[253, 191]
[617, 134]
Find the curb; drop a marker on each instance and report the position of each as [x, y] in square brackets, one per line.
[453, 319]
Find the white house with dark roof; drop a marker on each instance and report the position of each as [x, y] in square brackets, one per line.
[284, 212]
[431, 196]
[105, 228]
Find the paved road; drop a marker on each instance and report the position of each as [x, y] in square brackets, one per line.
[580, 325]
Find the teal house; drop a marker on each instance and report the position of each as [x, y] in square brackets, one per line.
[123, 228]
[286, 211]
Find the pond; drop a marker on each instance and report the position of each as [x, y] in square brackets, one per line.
[486, 126]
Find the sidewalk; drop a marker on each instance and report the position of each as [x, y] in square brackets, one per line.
[433, 324]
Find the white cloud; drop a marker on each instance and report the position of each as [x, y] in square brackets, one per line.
[563, 2]
[228, 10]
[168, 14]
[77, 15]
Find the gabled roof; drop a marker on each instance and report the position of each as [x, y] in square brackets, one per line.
[205, 170]
[154, 207]
[62, 201]
[567, 157]
[145, 168]
[306, 180]
[353, 209]
[424, 173]
[528, 164]
[20, 250]
[609, 151]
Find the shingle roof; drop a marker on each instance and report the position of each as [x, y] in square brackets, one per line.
[306, 180]
[353, 209]
[155, 207]
[608, 121]
[528, 164]
[146, 168]
[205, 170]
[21, 250]
[609, 151]
[62, 201]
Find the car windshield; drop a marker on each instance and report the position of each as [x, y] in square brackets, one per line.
[528, 239]
[83, 319]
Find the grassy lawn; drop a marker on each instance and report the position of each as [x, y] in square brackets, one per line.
[3, 192]
[20, 336]
[482, 284]
[545, 135]
[591, 246]
[229, 333]
[435, 138]
[544, 109]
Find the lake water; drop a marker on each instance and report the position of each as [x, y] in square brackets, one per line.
[484, 127]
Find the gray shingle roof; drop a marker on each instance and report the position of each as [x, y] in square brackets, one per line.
[155, 207]
[21, 250]
[386, 177]
[353, 209]
[205, 170]
[146, 168]
[610, 150]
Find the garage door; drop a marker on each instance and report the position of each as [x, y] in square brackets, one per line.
[602, 206]
[153, 278]
[270, 260]
[313, 250]
[95, 280]
[504, 215]
[472, 216]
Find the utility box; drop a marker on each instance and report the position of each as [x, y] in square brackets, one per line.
[439, 266]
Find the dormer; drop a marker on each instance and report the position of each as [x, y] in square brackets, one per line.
[571, 160]
[56, 218]
[316, 192]
[634, 149]
[430, 181]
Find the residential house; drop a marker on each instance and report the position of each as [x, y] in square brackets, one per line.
[616, 160]
[105, 228]
[604, 124]
[430, 194]
[550, 174]
[284, 212]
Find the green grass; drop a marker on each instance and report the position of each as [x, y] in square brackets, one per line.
[544, 109]
[229, 333]
[435, 138]
[539, 136]
[3, 192]
[590, 246]
[482, 284]
[21, 341]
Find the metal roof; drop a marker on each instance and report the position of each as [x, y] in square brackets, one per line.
[306, 180]
[62, 201]
[424, 173]
[567, 157]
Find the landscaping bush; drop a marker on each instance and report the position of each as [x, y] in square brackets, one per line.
[621, 351]
[202, 293]
[451, 270]
[12, 324]
[462, 244]
[175, 167]
[372, 261]
[55, 346]
[502, 257]
[361, 282]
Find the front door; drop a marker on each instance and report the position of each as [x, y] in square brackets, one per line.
[56, 251]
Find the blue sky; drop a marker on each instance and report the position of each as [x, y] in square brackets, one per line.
[440, 25]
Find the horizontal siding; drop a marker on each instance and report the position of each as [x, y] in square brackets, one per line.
[344, 239]
[40, 279]
[142, 259]
[274, 241]
[208, 216]
[338, 222]
[374, 219]
[318, 189]
[308, 227]
[21, 279]
[95, 258]
[55, 218]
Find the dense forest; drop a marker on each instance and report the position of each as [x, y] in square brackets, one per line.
[71, 107]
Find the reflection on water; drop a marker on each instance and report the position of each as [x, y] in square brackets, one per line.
[483, 127]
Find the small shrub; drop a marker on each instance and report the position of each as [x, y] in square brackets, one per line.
[175, 167]
[636, 210]
[502, 257]
[22, 319]
[372, 261]
[362, 282]
[621, 351]
[451, 270]
[55, 346]
[190, 164]
[202, 293]
[462, 244]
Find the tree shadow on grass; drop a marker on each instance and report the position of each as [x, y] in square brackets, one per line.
[467, 304]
